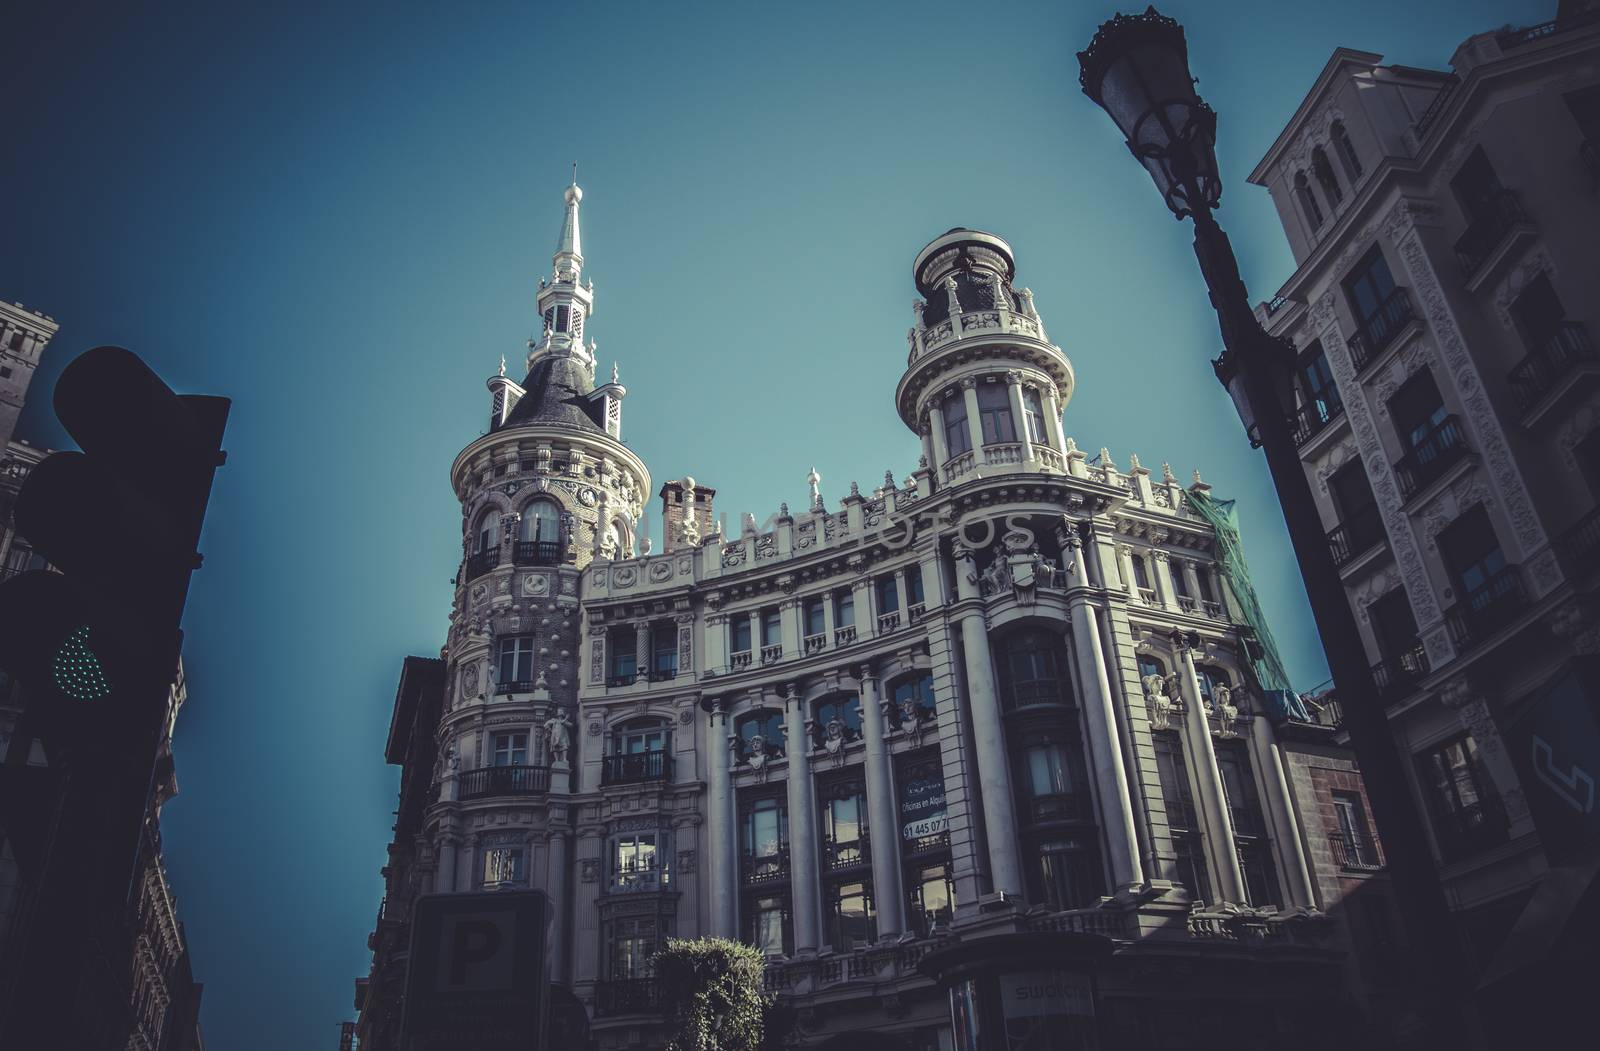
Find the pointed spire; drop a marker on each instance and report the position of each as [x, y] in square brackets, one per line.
[569, 249]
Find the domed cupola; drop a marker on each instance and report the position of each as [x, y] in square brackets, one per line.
[983, 384]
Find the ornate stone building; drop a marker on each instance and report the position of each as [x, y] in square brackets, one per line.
[1443, 225]
[1008, 692]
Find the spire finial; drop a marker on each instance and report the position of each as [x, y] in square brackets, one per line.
[502, 364]
[613, 372]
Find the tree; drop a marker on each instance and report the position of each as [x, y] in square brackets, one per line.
[711, 989]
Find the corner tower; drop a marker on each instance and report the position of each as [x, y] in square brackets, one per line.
[983, 385]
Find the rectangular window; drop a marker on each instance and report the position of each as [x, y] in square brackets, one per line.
[767, 924]
[1393, 625]
[1417, 410]
[511, 749]
[764, 839]
[1476, 185]
[1585, 106]
[1350, 490]
[1249, 830]
[1316, 380]
[623, 649]
[1472, 554]
[638, 862]
[957, 438]
[739, 633]
[1068, 869]
[516, 659]
[844, 829]
[771, 627]
[888, 594]
[994, 412]
[1141, 576]
[1373, 300]
[815, 615]
[933, 896]
[1353, 843]
[663, 650]
[850, 916]
[1180, 583]
[1538, 313]
[1467, 815]
[1033, 411]
[844, 609]
[631, 941]
[1189, 861]
[914, 586]
[502, 867]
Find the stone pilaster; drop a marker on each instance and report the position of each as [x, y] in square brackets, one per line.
[804, 889]
[720, 829]
[885, 834]
[1229, 878]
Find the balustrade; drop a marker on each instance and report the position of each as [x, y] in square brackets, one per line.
[503, 781]
[771, 653]
[1355, 851]
[1431, 456]
[1375, 334]
[1537, 374]
[1496, 217]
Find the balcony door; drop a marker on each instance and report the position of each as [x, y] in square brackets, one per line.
[1476, 185]
[1418, 410]
[1394, 625]
[1473, 556]
[1316, 380]
[1538, 313]
[1369, 288]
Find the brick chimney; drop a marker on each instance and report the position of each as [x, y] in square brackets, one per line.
[685, 514]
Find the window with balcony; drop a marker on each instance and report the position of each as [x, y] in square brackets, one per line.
[913, 699]
[1033, 415]
[1183, 823]
[1360, 523]
[640, 861]
[640, 753]
[511, 749]
[913, 582]
[766, 725]
[1325, 177]
[994, 412]
[502, 865]
[847, 910]
[1403, 661]
[1033, 670]
[1249, 828]
[1467, 815]
[622, 656]
[887, 594]
[1491, 211]
[1475, 185]
[957, 437]
[764, 873]
[539, 533]
[843, 803]
[771, 628]
[1381, 309]
[739, 634]
[631, 942]
[836, 718]
[1065, 870]
[816, 620]
[1554, 344]
[514, 668]
[663, 651]
[1320, 398]
[844, 608]
[1141, 573]
[1489, 589]
[1432, 436]
[1346, 151]
[1308, 200]
[1353, 845]
[488, 533]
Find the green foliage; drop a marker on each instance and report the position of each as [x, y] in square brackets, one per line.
[712, 989]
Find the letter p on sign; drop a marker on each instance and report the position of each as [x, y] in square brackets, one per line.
[479, 952]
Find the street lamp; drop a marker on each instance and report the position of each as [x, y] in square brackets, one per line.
[1137, 69]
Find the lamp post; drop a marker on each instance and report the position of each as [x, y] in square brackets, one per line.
[1137, 69]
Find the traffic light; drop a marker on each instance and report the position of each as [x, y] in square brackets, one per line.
[95, 649]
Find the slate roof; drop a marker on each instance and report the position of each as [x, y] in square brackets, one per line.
[557, 387]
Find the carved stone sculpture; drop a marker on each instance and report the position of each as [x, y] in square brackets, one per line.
[1155, 695]
[557, 730]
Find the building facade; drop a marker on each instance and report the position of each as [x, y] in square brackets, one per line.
[1008, 692]
[1443, 227]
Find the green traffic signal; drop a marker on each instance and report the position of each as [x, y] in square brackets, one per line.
[76, 669]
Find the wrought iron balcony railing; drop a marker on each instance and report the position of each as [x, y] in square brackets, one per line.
[622, 678]
[1434, 454]
[663, 674]
[1356, 851]
[1375, 334]
[1471, 829]
[503, 781]
[632, 768]
[755, 871]
[1309, 420]
[621, 996]
[1436, 107]
[1482, 612]
[1355, 534]
[1076, 805]
[1397, 677]
[481, 562]
[537, 553]
[1495, 218]
[1537, 374]
[1018, 695]
[1579, 546]
[514, 686]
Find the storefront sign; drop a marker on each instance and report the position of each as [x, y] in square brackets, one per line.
[922, 810]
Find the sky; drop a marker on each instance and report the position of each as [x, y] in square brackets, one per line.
[337, 216]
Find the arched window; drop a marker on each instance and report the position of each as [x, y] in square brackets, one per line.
[541, 520]
[843, 709]
[1149, 665]
[1325, 176]
[488, 531]
[1033, 670]
[1308, 200]
[1346, 151]
[913, 698]
[766, 724]
[640, 753]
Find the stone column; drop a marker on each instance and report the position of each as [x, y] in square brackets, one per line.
[1280, 811]
[585, 898]
[789, 626]
[556, 887]
[885, 834]
[1130, 583]
[1052, 421]
[969, 392]
[932, 578]
[716, 642]
[1213, 799]
[755, 634]
[1105, 747]
[1164, 588]
[866, 616]
[641, 649]
[804, 888]
[994, 770]
[720, 825]
[1019, 417]
[941, 452]
[445, 879]
[1191, 580]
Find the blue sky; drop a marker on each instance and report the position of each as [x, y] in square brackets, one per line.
[338, 218]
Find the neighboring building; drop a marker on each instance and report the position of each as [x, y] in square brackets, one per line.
[159, 1001]
[1444, 230]
[1008, 693]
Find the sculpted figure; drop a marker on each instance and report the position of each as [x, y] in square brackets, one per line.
[556, 729]
[1155, 694]
[833, 736]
